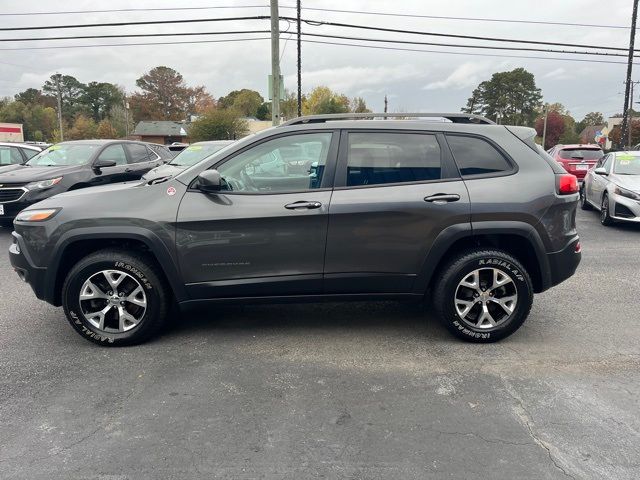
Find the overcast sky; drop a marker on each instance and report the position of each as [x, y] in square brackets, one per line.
[413, 81]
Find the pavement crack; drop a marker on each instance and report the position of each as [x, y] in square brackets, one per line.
[527, 420]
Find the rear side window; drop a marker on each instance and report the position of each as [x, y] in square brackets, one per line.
[10, 155]
[475, 156]
[28, 153]
[138, 153]
[381, 158]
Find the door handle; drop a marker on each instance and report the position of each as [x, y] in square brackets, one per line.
[302, 204]
[442, 198]
[127, 170]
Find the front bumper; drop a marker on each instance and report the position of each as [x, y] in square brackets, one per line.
[563, 264]
[624, 209]
[23, 266]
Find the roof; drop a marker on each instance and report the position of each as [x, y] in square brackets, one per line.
[162, 128]
[98, 141]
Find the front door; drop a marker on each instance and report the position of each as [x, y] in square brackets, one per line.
[265, 233]
[395, 191]
[118, 173]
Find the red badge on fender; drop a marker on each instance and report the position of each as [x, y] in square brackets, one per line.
[171, 191]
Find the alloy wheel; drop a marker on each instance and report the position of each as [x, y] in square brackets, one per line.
[112, 301]
[485, 298]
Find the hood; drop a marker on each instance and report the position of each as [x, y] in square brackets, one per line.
[630, 182]
[26, 174]
[9, 168]
[112, 187]
[165, 170]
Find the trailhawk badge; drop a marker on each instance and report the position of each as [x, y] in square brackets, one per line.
[171, 191]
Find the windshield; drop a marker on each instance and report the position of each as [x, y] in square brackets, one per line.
[194, 153]
[627, 164]
[581, 153]
[64, 154]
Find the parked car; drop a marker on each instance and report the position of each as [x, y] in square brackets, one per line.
[577, 159]
[16, 153]
[474, 217]
[70, 166]
[186, 158]
[613, 188]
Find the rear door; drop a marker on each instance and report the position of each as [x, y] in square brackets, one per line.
[141, 160]
[395, 192]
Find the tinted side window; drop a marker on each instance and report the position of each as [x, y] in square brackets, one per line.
[475, 156]
[10, 155]
[379, 158]
[286, 164]
[28, 153]
[114, 153]
[138, 153]
[607, 163]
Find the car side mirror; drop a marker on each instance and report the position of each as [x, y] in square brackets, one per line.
[101, 163]
[209, 181]
[600, 171]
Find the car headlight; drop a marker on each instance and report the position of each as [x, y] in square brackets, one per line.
[36, 215]
[42, 184]
[626, 193]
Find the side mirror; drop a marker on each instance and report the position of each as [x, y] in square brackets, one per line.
[99, 164]
[600, 171]
[209, 181]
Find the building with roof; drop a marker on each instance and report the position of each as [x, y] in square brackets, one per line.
[164, 132]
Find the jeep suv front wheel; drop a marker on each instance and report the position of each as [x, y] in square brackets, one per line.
[483, 296]
[115, 298]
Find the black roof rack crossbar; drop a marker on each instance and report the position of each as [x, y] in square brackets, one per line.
[452, 117]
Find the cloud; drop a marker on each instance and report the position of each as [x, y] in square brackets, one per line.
[557, 74]
[359, 79]
[465, 76]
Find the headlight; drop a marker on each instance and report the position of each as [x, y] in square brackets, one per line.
[626, 193]
[36, 215]
[42, 184]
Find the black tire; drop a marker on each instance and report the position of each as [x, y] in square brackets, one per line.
[462, 266]
[141, 269]
[605, 216]
[584, 205]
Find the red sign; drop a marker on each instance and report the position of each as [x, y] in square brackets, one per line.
[10, 129]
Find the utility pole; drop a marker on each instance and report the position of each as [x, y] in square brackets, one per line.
[275, 63]
[630, 108]
[544, 128]
[386, 104]
[59, 95]
[299, 28]
[625, 117]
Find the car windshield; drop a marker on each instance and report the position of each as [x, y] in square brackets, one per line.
[581, 153]
[194, 153]
[627, 164]
[64, 154]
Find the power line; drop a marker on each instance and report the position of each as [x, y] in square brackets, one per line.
[313, 23]
[127, 24]
[341, 37]
[329, 10]
[317, 42]
[467, 53]
[135, 44]
[453, 35]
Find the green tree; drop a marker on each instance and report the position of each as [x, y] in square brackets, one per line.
[510, 97]
[118, 118]
[100, 97]
[289, 105]
[589, 120]
[358, 105]
[245, 101]
[218, 124]
[34, 96]
[264, 111]
[324, 100]
[33, 117]
[71, 91]
[106, 130]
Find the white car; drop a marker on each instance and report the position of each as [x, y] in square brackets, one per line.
[613, 188]
[17, 153]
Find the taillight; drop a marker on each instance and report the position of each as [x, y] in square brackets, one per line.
[567, 184]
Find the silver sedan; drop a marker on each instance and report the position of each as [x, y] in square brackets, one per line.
[612, 186]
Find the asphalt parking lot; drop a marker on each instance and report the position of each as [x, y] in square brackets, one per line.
[358, 391]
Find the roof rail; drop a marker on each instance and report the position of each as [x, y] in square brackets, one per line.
[453, 117]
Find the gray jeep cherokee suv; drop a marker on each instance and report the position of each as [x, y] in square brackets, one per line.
[468, 214]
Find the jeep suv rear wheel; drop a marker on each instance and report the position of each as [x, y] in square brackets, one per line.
[115, 298]
[483, 296]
